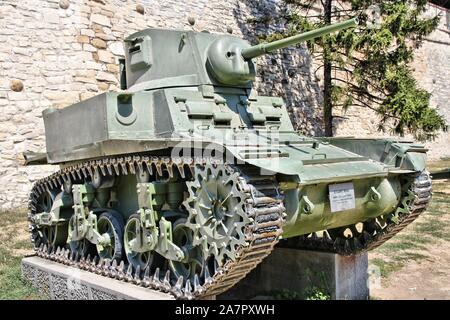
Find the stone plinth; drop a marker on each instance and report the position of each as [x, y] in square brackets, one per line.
[301, 271]
[61, 282]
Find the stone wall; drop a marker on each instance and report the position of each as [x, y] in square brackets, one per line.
[64, 51]
[432, 69]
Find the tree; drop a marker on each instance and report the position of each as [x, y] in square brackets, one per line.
[368, 67]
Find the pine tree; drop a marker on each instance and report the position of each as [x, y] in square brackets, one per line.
[368, 67]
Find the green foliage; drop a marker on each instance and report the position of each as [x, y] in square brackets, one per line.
[310, 293]
[409, 105]
[314, 293]
[285, 295]
[14, 287]
[12, 247]
[370, 65]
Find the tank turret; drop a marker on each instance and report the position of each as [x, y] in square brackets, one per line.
[231, 62]
[191, 58]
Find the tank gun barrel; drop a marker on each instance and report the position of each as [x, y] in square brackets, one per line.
[263, 48]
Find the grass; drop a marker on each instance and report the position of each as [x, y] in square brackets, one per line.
[386, 267]
[14, 244]
[439, 165]
[13, 287]
[412, 242]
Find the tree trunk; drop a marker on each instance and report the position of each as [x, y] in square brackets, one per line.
[327, 103]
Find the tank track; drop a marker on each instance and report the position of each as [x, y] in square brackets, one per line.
[416, 196]
[264, 206]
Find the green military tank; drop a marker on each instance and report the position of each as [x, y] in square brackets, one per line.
[187, 179]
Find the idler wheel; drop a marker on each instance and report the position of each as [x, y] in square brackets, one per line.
[54, 236]
[45, 201]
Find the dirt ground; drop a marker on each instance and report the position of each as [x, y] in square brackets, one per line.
[427, 279]
[415, 264]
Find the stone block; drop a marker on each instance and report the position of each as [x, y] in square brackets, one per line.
[98, 43]
[83, 39]
[61, 282]
[105, 56]
[101, 20]
[300, 271]
[105, 76]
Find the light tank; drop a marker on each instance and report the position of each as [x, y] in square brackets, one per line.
[187, 178]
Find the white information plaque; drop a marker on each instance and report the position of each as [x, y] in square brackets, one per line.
[342, 196]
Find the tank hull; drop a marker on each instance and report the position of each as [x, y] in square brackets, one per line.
[169, 122]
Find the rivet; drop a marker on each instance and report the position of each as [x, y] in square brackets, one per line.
[64, 4]
[140, 8]
[16, 85]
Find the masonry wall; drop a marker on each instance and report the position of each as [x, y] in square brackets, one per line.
[64, 51]
[432, 69]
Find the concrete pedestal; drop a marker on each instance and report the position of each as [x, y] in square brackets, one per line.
[296, 271]
[60, 282]
[300, 271]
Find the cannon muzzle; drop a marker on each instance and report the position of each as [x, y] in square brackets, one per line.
[263, 48]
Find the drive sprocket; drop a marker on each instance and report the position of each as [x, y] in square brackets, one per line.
[216, 208]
